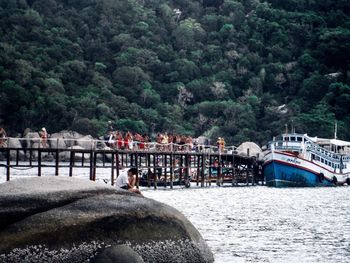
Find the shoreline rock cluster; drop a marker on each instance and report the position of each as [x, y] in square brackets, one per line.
[72, 140]
[63, 214]
[61, 140]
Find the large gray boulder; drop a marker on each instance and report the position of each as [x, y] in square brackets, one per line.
[66, 139]
[69, 138]
[57, 141]
[65, 156]
[86, 142]
[58, 213]
[249, 147]
[15, 143]
[32, 139]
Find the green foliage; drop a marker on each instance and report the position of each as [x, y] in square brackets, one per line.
[240, 69]
[131, 125]
[318, 121]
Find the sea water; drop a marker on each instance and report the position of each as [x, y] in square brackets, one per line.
[256, 223]
[261, 224]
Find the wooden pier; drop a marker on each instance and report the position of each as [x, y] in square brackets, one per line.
[157, 168]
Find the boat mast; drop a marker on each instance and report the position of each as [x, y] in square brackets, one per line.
[335, 137]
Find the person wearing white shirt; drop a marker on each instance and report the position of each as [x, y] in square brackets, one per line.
[127, 181]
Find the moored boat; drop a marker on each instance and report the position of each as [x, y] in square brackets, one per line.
[297, 160]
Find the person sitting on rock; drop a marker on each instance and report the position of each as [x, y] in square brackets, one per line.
[3, 137]
[127, 181]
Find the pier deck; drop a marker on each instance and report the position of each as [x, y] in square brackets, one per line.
[157, 168]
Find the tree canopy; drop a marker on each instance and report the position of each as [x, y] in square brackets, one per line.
[240, 69]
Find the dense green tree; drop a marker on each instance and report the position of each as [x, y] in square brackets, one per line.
[240, 69]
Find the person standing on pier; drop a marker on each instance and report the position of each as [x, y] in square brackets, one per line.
[127, 181]
[43, 136]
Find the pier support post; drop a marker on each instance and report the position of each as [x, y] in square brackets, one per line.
[251, 166]
[247, 174]
[198, 169]
[218, 181]
[8, 165]
[82, 159]
[171, 170]
[112, 169]
[39, 162]
[17, 157]
[203, 170]
[71, 163]
[234, 182]
[148, 170]
[181, 168]
[31, 157]
[94, 167]
[137, 167]
[91, 163]
[210, 167]
[57, 162]
[187, 171]
[155, 174]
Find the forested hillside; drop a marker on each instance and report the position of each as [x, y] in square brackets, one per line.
[240, 69]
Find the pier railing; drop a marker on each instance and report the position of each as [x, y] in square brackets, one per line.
[67, 143]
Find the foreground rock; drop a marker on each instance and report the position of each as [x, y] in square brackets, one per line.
[58, 213]
[120, 254]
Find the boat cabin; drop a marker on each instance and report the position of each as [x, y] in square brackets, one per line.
[332, 154]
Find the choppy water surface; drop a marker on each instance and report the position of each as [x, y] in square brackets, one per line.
[261, 224]
[256, 224]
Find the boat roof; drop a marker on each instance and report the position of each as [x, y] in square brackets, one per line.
[334, 142]
[324, 141]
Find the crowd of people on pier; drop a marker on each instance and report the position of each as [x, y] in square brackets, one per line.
[135, 141]
[163, 141]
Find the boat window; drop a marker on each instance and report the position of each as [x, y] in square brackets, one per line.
[317, 158]
[286, 138]
[312, 157]
[299, 139]
[292, 138]
[322, 160]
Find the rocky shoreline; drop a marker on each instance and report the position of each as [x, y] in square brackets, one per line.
[72, 140]
[60, 140]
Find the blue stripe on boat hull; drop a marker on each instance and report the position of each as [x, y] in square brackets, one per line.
[282, 175]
